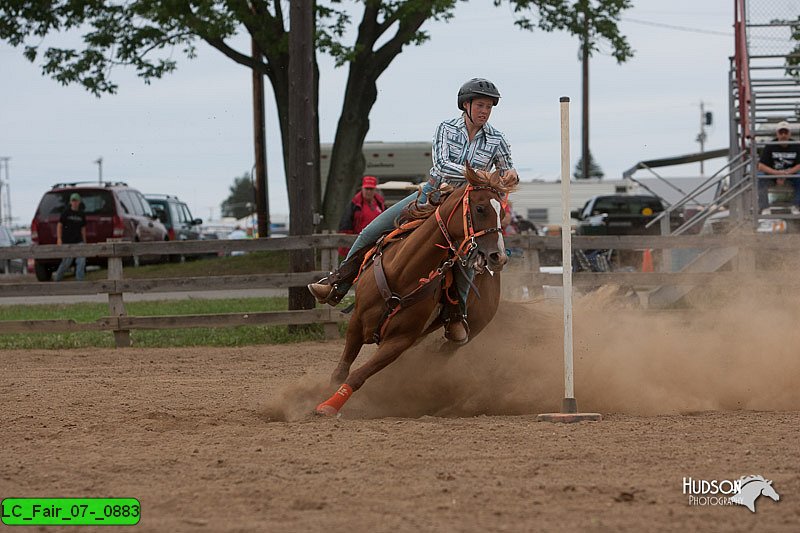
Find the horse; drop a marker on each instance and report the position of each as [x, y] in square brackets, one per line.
[399, 288]
[751, 488]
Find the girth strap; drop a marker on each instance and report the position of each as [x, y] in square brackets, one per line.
[395, 302]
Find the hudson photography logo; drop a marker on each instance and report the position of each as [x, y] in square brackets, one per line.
[743, 491]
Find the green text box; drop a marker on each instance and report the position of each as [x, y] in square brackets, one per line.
[70, 511]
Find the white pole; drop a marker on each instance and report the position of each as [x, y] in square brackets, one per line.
[569, 406]
[566, 258]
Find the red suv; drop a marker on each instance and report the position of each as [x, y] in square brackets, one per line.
[113, 210]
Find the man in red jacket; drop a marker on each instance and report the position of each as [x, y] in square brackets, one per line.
[365, 206]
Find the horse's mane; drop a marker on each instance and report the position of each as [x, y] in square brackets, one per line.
[745, 480]
[476, 178]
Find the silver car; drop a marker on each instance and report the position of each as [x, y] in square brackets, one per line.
[10, 266]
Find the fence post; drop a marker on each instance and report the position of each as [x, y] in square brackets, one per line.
[330, 330]
[328, 263]
[532, 266]
[745, 260]
[329, 257]
[116, 305]
[325, 257]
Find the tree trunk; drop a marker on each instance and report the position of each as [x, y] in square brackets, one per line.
[585, 151]
[260, 145]
[301, 160]
[347, 158]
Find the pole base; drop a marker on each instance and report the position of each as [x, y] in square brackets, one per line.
[568, 418]
[569, 414]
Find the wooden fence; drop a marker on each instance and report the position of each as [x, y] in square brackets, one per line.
[525, 271]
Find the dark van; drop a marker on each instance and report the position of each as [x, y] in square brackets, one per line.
[176, 217]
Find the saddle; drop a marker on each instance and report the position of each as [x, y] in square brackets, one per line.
[439, 278]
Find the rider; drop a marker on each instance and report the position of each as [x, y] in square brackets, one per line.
[468, 138]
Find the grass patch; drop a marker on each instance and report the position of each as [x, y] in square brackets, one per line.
[89, 312]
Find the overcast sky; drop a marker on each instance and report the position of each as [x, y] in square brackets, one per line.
[190, 134]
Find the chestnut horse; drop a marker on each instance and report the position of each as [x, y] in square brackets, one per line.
[400, 289]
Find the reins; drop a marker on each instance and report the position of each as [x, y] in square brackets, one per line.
[463, 252]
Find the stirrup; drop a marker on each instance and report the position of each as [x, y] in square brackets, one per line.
[462, 322]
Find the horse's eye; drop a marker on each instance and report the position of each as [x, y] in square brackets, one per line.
[480, 209]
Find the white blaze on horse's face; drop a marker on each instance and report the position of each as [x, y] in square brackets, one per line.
[501, 245]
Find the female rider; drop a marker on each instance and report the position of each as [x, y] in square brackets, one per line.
[468, 138]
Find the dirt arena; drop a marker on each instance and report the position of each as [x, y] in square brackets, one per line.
[219, 439]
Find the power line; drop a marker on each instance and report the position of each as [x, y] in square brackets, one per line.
[679, 28]
[699, 30]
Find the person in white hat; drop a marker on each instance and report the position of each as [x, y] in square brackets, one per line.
[780, 158]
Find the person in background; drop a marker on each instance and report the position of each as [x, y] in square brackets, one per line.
[71, 229]
[365, 207]
[508, 222]
[236, 234]
[780, 158]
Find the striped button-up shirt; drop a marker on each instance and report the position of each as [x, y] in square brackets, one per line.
[452, 149]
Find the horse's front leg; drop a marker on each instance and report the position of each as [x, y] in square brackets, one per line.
[388, 352]
[352, 345]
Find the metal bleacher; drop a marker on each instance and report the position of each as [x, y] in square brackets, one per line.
[767, 86]
[764, 90]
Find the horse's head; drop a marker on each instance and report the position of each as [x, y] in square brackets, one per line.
[751, 488]
[768, 491]
[479, 229]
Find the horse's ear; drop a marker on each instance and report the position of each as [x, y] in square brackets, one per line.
[469, 173]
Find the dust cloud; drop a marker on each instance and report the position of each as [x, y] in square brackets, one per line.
[731, 348]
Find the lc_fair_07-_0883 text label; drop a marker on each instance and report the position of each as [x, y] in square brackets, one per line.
[70, 511]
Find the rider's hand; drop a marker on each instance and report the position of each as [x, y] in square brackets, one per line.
[510, 177]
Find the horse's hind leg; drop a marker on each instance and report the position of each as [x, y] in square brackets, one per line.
[385, 355]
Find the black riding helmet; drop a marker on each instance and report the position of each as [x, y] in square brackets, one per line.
[475, 88]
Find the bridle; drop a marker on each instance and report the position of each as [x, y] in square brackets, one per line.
[463, 252]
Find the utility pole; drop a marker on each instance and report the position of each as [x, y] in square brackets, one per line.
[260, 144]
[302, 146]
[99, 163]
[585, 129]
[5, 198]
[706, 119]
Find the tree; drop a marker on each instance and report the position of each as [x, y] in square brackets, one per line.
[144, 34]
[594, 169]
[793, 57]
[242, 199]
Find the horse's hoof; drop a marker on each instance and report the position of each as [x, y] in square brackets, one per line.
[326, 410]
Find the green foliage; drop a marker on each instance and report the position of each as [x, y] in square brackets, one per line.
[603, 15]
[594, 169]
[242, 199]
[148, 35]
[793, 59]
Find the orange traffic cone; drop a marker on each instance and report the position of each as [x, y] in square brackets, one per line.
[647, 260]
